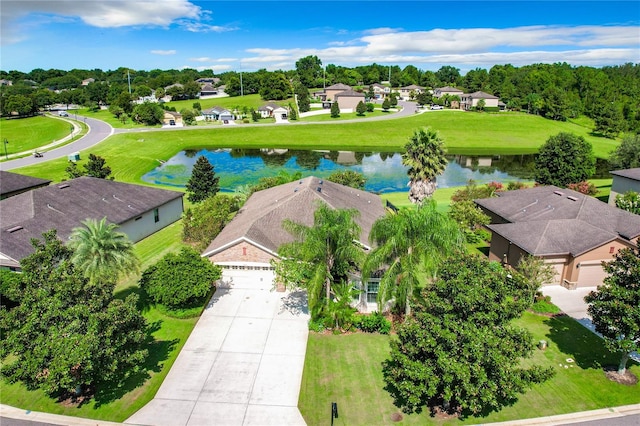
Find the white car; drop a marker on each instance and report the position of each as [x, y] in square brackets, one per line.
[437, 107]
[63, 114]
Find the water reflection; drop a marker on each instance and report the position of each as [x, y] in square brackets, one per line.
[384, 170]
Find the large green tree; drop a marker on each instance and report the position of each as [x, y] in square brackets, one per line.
[97, 167]
[204, 221]
[348, 178]
[68, 334]
[425, 156]
[615, 306]
[565, 158]
[409, 246]
[148, 113]
[309, 71]
[627, 154]
[321, 255]
[101, 252]
[203, 182]
[460, 351]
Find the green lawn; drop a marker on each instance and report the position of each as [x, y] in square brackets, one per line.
[131, 155]
[344, 116]
[167, 337]
[347, 369]
[27, 134]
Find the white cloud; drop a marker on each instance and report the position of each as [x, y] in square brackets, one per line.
[225, 67]
[579, 45]
[164, 52]
[208, 59]
[199, 27]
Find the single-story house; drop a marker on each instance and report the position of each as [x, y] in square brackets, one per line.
[439, 92]
[138, 210]
[208, 89]
[413, 89]
[624, 181]
[469, 101]
[248, 244]
[349, 100]
[172, 118]
[571, 231]
[217, 113]
[88, 81]
[272, 109]
[13, 184]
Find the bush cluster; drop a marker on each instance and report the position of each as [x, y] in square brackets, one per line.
[373, 323]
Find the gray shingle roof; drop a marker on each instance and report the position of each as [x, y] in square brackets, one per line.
[482, 95]
[338, 86]
[548, 220]
[65, 205]
[14, 182]
[628, 173]
[448, 89]
[349, 94]
[260, 220]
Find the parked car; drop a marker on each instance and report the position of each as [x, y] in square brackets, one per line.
[437, 107]
[63, 114]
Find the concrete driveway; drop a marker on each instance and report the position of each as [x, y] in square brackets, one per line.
[242, 364]
[571, 302]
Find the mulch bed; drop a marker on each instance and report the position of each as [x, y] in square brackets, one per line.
[628, 378]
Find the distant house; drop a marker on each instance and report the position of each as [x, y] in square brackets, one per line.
[571, 231]
[248, 244]
[272, 109]
[172, 118]
[380, 91]
[217, 114]
[138, 210]
[208, 89]
[88, 81]
[468, 101]
[329, 93]
[624, 181]
[13, 184]
[4, 82]
[407, 91]
[348, 100]
[439, 92]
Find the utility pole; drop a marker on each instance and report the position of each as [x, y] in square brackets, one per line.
[129, 80]
[6, 142]
[241, 88]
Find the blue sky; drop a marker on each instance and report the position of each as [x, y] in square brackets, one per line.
[246, 36]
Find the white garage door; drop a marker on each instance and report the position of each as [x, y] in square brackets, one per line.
[591, 274]
[255, 277]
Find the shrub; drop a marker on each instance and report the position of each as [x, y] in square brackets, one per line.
[370, 107]
[373, 323]
[584, 187]
[317, 325]
[182, 280]
[511, 186]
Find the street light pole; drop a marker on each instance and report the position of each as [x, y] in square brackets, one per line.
[71, 127]
[6, 142]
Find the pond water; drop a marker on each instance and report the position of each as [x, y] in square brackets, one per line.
[384, 170]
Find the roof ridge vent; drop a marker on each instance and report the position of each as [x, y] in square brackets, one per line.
[560, 193]
[14, 229]
[572, 198]
[63, 186]
[114, 196]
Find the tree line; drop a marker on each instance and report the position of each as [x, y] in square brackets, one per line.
[556, 91]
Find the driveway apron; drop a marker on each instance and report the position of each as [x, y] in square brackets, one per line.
[242, 364]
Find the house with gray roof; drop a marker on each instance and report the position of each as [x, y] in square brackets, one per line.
[13, 184]
[217, 114]
[468, 101]
[248, 244]
[439, 92]
[138, 210]
[406, 92]
[624, 181]
[571, 231]
[349, 100]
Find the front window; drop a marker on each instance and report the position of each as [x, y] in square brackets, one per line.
[372, 291]
[156, 215]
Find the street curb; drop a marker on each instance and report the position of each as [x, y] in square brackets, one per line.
[583, 416]
[9, 412]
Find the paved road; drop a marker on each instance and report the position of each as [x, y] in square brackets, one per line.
[98, 131]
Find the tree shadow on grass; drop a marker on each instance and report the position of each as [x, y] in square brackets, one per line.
[144, 304]
[577, 342]
[159, 351]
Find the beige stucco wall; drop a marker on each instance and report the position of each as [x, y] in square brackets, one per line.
[242, 252]
[349, 102]
[572, 273]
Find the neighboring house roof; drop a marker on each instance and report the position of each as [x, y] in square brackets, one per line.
[173, 114]
[349, 94]
[481, 95]
[448, 89]
[547, 220]
[216, 110]
[208, 87]
[338, 86]
[633, 174]
[412, 87]
[271, 106]
[65, 205]
[14, 183]
[260, 220]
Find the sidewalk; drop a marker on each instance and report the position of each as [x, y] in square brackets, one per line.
[8, 412]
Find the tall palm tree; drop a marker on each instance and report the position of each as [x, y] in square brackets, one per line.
[425, 157]
[102, 252]
[326, 249]
[409, 246]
